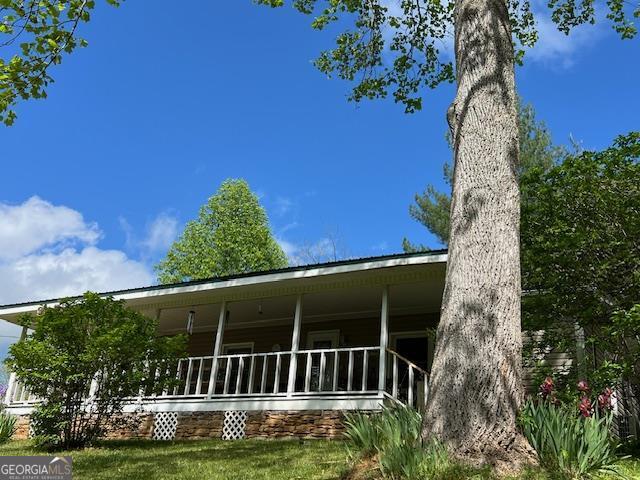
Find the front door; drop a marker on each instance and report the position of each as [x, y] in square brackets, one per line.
[236, 349]
[415, 348]
[322, 340]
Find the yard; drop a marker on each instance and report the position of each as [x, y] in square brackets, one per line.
[202, 460]
[218, 460]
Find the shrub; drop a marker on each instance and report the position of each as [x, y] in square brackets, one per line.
[7, 426]
[83, 341]
[572, 442]
[362, 434]
[394, 437]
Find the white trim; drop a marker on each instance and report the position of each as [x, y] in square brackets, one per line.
[372, 401]
[332, 335]
[295, 346]
[384, 337]
[256, 280]
[226, 346]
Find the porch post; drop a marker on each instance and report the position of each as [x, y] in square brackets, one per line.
[217, 348]
[8, 397]
[295, 344]
[384, 338]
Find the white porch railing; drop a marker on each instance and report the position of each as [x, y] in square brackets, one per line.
[317, 372]
[409, 383]
[321, 372]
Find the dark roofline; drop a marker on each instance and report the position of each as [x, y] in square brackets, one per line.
[337, 263]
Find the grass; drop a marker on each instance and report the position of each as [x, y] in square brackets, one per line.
[247, 459]
[205, 459]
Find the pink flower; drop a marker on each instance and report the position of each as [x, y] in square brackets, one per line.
[583, 386]
[604, 399]
[546, 387]
[585, 407]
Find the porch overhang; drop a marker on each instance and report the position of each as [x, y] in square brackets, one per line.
[392, 269]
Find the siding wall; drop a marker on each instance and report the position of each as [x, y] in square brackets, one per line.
[359, 332]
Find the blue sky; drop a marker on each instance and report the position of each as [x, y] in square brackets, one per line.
[143, 125]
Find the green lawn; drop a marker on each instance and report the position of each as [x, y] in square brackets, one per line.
[202, 460]
[218, 460]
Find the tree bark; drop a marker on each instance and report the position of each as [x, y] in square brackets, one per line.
[476, 385]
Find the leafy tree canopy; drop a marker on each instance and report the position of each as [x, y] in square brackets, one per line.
[231, 235]
[80, 341]
[33, 36]
[581, 234]
[537, 150]
[581, 255]
[395, 47]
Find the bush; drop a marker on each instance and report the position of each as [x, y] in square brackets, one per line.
[7, 427]
[571, 442]
[394, 437]
[83, 341]
[362, 434]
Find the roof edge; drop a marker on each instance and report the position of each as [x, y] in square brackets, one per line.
[300, 268]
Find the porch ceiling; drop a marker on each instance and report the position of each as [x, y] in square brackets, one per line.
[327, 288]
[354, 302]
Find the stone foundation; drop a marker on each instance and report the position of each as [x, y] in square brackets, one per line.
[301, 424]
[198, 425]
[22, 428]
[202, 425]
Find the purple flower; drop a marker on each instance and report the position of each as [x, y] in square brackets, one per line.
[546, 387]
[3, 391]
[604, 399]
[585, 407]
[583, 386]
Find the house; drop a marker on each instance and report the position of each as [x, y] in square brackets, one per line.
[284, 352]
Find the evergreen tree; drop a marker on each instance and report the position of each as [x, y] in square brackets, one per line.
[432, 207]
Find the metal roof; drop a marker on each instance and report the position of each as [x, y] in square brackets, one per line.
[351, 261]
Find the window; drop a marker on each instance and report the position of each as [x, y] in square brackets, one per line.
[237, 348]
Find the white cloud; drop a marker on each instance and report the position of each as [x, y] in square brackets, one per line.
[37, 224]
[288, 248]
[283, 205]
[49, 251]
[161, 233]
[70, 272]
[557, 50]
[327, 249]
[553, 49]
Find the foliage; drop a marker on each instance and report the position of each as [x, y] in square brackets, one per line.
[362, 434]
[230, 236]
[396, 48]
[215, 459]
[581, 257]
[432, 207]
[393, 437]
[573, 436]
[36, 35]
[7, 426]
[567, 443]
[621, 340]
[83, 340]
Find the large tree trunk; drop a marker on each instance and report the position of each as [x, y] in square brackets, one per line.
[476, 384]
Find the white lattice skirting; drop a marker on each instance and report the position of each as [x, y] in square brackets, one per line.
[235, 422]
[165, 425]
